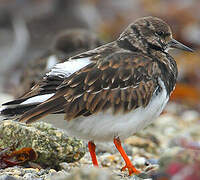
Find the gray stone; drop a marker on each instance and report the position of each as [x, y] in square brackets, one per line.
[7, 177]
[88, 174]
[21, 173]
[52, 145]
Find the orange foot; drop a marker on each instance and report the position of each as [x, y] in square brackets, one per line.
[131, 169]
[129, 166]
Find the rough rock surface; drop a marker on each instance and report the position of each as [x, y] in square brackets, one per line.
[53, 146]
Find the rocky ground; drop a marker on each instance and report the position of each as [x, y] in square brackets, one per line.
[165, 149]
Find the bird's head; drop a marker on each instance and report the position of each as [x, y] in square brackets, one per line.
[151, 33]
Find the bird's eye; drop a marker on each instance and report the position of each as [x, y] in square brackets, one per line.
[160, 33]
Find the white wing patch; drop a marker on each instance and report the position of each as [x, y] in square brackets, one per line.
[69, 67]
[38, 99]
[51, 62]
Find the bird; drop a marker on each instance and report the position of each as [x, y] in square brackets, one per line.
[111, 92]
[65, 44]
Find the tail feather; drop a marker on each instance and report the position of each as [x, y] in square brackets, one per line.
[15, 102]
[20, 106]
[42, 110]
[10, 111]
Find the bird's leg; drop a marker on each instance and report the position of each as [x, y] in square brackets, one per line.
[128, 165]
[91, 147]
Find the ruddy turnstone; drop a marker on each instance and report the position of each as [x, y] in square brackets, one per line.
[111, 92]
[66, 44]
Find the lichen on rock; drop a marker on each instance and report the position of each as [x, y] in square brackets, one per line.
[52, 145]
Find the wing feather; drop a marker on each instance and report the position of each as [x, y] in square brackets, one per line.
[104, 85]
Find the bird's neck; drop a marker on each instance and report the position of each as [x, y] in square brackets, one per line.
[169, 69]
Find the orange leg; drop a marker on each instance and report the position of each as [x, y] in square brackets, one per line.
[128, 165]
[91, 147]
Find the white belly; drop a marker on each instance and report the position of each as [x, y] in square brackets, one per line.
[104, 126]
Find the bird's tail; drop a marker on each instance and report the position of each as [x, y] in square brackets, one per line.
[16, 108]
[51, 106]
[10, 112]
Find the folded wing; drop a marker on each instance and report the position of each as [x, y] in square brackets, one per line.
[121, 82]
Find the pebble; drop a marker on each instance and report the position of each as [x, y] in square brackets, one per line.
[190, 116]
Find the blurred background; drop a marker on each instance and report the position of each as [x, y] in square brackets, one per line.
[28, 27]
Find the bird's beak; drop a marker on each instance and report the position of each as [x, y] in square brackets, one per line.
[175, 44]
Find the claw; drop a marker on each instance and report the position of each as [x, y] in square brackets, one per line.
[131, 169]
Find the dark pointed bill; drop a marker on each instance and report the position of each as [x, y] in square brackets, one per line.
[175, 44]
